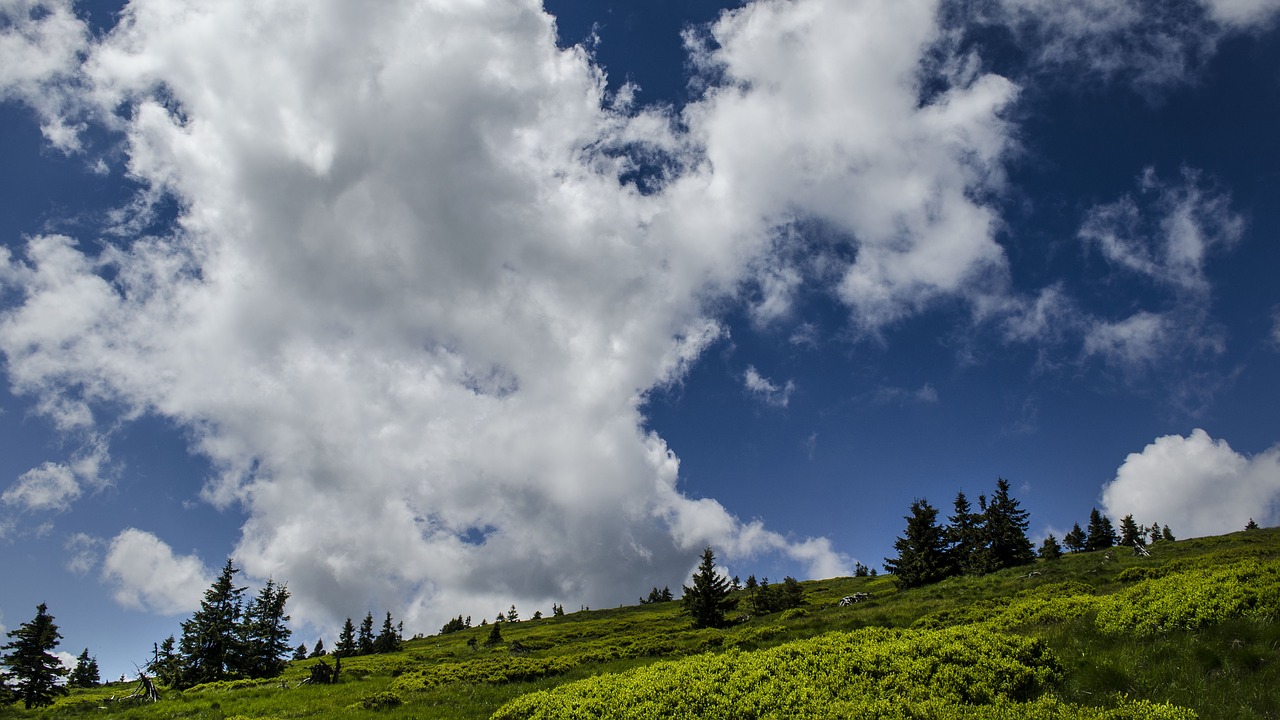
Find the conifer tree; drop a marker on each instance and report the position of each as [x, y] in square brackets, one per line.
[1050, 550]
[1101, 533]
[364, 640]
[922, 550]
[966, 537]
[1154, 533]
[1006, 530]
[346, 646]
[32, 670]
[1166, 535]
[318, 650]
[512, 615]
[860, 570]
[495, 635]
[210, 648]
[388, 640]
[557, 610]
[1076, 540]
[708, 600]
[264, 636]
[85, 673]
[666, 595]
[300, 653]
[1251, 525]
[1130, 533]
[165, 664]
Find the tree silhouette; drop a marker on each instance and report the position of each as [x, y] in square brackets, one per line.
[33, 671]
[922, 550]
[708, 600]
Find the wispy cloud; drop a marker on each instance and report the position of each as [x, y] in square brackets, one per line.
[766, 390]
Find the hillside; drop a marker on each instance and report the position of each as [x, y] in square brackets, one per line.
[1092, 635]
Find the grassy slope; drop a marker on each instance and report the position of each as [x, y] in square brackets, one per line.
[1227, 669]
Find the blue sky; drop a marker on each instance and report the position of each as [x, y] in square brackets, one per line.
[437, 308]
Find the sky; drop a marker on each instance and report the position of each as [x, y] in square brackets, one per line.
[437, 307]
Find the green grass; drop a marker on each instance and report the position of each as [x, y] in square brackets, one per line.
[1117, 636]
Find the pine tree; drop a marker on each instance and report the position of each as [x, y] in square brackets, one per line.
[85, 673]
[1076, 540]
[860, 570]
[388, 641]
[666, 595]
[1006, 531]
[318, 650]
[33, 670]
[300, 653]
[557, 610]
[922, 550]
[495, 635]
[209, 648]
[1166, 535]
[512, 615]
[346, 646]
[1130, 533]
[537, 614]
[364, 640]
[966, 537]
[1154, 533]
[1251, 525]
[708, 600]
[1050, 550]
[1101, 534]
[264, 636]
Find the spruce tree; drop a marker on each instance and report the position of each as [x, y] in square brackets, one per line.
[708, 600]
[364, 640]
[1050, 550]
[1251, 525]
[318, 650]
[1166, 535]
[346, 646]
[33, 670]
[166, 665]
[495, 635]
[1101, 533]
[1006, 530]
[85, 673]
[1130, 533]
[1076, 540]
[922, 550]
[210, 648]
[512, 615]
[264, 636]
[300, 653]
[388, 641]
[966, 537]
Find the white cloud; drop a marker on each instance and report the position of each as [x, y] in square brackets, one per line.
[40, 46]
[83, 550]
[147, 575]
[926, 394]
[52, 486]
[409, 299]
[1165, 236]
[765, 390]
[1196, 485]
[1243, 14]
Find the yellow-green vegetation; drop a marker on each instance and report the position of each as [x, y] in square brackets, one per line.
[1189, 632]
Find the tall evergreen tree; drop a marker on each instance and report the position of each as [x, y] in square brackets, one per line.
[1006, 530]
[1166, 535]
[346, 646]
[388, 641]
[318, 650]
[1076, 540]
[210, 646]
[364, 639]
[1252, 525]
[32, 670]
[264, 636]
[922, 550]
[1130, 533]
[966, 538]
[708, 600]
[1101, 533]
[85, 673]
[300, 653]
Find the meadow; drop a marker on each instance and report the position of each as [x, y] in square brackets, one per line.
[1189, 632]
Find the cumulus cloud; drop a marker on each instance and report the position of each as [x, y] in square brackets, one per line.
[41, 43]
[410, 308]
[1243, 14]
[146, 574]
[766, 390]
[1196, 485]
